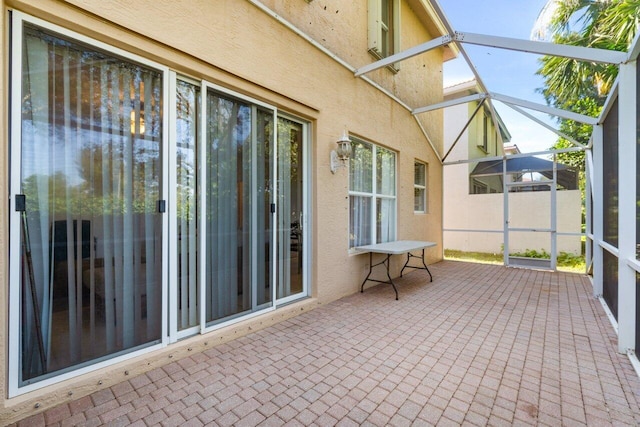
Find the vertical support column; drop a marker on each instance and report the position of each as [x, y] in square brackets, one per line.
[554, 213]
[588, 195]
[627, 135]
[505, 203]
[598, 206]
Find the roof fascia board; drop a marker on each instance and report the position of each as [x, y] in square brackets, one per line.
[449, 103]
[545, 109]
[543, 48]
[438, 20]
[405, 54]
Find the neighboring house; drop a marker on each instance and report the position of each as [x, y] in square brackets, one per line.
[168, 171]
[470, 133]
[474, 192]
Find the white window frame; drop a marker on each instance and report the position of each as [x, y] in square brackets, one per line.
[373, 195]
[377, 28]
[421, 187]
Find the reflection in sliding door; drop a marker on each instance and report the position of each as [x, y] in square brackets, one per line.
[237, 207]
[91, 176]
[290, 208]
[187, 101]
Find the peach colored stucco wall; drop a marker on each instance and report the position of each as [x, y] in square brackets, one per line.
[234, 44]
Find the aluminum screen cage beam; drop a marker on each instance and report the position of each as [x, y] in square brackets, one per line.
[543, 124]
[544, 109]
[579, 53]
[543, 48]
[406, 54]
[450, 103]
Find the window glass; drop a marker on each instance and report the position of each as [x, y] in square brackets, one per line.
[385, 220]
[385, 172]
[360, 167]
[420, 187]
[372, 201]
[360, 230]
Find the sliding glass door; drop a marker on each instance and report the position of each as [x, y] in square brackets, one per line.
[146, 207]
[291, 207]
[87, 203]
[237, 213]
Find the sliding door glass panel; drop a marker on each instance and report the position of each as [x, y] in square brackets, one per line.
[91, 235]
[187, 101]
[263, 162]
[290, 205]
[237, 246]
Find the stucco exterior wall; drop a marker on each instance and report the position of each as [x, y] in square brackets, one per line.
[238, 46]
[419, 81]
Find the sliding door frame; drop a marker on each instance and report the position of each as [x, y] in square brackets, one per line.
[202, 226]
[305, 222]
[169, 285]
[18, 19]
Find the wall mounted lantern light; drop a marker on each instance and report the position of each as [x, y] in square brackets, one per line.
[340, 156]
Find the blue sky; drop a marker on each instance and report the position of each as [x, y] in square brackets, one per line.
[506, 72]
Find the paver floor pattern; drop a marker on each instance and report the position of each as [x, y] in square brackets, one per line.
[481, 345]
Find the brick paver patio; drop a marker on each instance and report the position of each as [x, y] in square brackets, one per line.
[481, 345]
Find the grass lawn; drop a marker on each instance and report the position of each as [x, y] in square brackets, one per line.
[565, 262]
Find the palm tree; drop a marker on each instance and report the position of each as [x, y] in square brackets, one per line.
[603, 24]
[582, 87]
